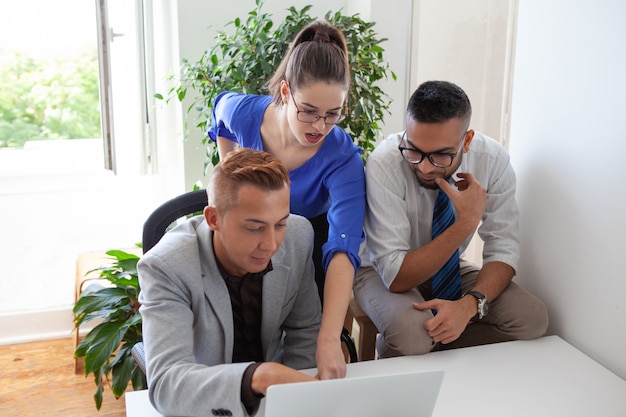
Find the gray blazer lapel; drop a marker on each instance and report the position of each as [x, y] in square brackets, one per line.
[215, 289]
[274, 288]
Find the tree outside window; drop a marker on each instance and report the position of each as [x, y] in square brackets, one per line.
[48, 72]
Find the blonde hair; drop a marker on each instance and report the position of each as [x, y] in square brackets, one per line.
[244, 166]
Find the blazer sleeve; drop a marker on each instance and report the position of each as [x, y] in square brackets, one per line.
[183, 378]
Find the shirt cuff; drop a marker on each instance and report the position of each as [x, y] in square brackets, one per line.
[348, 245]
[249, 398]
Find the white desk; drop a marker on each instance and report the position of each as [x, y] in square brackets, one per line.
[542, 377]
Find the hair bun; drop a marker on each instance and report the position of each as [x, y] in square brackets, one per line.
[321, 36]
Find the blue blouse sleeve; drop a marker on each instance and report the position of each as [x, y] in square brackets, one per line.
[238, 117]
[345, 182]
[223, 111]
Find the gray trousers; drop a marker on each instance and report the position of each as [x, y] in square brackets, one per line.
[516, 314]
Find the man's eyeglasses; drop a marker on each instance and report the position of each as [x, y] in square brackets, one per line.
[308, 116]
[438, 159]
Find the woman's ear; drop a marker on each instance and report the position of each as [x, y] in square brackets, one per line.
[284, 91]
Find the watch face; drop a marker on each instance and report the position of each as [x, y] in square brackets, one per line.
[483, 305]
[483, 308]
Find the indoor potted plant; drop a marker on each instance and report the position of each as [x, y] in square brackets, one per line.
[112, 299]
[245, 59]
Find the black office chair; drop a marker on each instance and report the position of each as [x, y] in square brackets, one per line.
[162, 220]
[156, 225]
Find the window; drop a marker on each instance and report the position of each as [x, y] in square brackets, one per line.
[73, 95]
[58, 200]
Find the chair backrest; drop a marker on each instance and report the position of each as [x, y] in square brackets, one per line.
[161, 219]
[156, 225]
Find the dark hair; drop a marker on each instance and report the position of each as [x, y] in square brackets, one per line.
[438, 102]
[244, 166]
[317, 53]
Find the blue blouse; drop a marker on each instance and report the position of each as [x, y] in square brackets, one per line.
[332, 181]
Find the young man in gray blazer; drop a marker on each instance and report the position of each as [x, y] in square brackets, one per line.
[228, 300]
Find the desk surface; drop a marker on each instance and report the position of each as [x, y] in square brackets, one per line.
[542, 377]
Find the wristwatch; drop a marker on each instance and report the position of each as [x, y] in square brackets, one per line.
[483, 304]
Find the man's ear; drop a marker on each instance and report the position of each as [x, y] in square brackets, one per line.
[210, 215]
[468, 140]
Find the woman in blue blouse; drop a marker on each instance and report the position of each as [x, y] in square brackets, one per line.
[297, 123]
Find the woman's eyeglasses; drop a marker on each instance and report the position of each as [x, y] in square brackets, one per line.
[308, 116]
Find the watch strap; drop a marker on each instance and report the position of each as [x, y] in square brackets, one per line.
[483, 304]
[476, 294]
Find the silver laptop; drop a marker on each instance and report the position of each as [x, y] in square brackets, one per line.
[411, 394]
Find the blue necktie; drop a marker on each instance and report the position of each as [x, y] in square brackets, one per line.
[446, 283]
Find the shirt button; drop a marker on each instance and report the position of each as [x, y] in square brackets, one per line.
[343, 235]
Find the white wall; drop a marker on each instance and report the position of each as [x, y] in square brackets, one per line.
[393, 21]
[568, 145]
[469, 43]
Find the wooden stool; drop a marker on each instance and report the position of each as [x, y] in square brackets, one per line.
[366, 342]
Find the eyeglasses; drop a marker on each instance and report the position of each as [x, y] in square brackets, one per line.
[438, 159]
[308, 116]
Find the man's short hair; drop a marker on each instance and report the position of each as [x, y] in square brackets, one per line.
[244, 166]
[438, 102]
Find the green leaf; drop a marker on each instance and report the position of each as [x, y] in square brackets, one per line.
[122, 373]
[129, 266]
[101, 299]
[98, 394]
[138, 379]
[106, 339]
[133, 320]
[120, 255]
[83, 346]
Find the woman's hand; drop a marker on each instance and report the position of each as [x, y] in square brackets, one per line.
[331, 363]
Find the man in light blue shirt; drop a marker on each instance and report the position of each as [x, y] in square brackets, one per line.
[404, 176]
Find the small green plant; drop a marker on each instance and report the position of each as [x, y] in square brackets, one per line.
[107, 347]
[246, 59]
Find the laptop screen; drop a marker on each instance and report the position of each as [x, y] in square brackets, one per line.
[411, 394]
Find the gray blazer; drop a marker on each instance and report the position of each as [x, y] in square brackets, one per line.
[188, 323]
